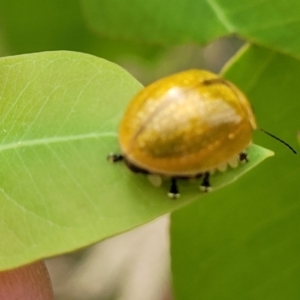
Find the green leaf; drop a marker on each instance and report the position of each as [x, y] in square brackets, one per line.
[35, 26]
[59, 117]
[38, 26]
[162, 22]
[242, 242]
[275, 24]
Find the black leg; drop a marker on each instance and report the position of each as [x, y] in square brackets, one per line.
[243, 157]
[114, 157]
[173, 192]
[205, 185]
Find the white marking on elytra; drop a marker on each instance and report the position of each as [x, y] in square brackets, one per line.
[234, 162]
[155, 179]
[222, 167]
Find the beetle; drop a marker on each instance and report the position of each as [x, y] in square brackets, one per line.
[187, 125]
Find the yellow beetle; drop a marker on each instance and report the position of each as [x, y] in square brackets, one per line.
[186, 125]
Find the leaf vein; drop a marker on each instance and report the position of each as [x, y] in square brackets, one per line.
[53, 140]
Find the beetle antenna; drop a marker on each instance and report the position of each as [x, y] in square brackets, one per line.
[278, 139]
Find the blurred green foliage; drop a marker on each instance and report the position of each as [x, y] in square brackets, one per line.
[240, 242]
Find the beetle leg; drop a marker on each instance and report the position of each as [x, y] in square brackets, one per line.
[243, 157]
[112, 157]
[205, 185]
[173, 192]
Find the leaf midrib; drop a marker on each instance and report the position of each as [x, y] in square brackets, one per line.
[54, 139]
